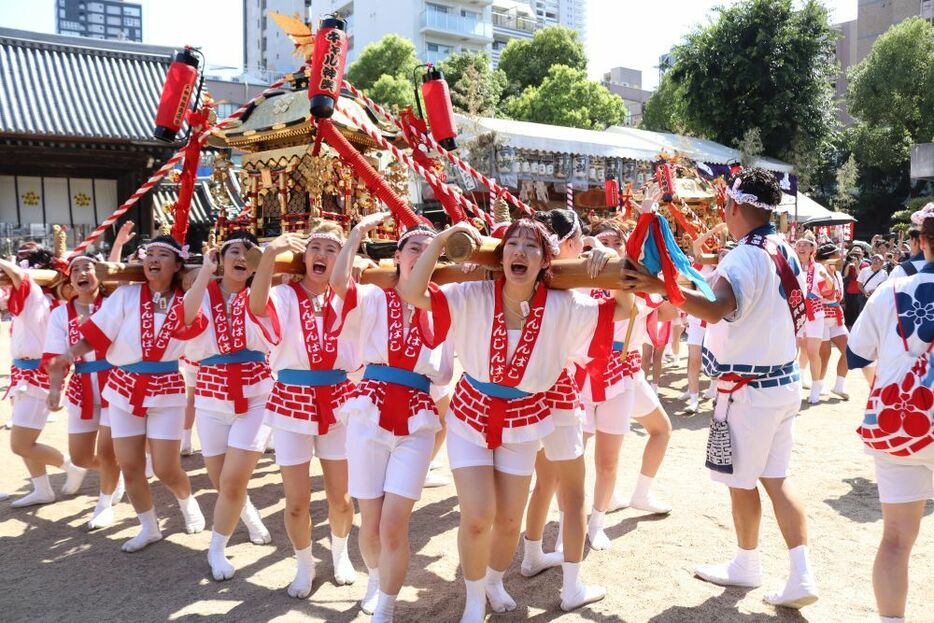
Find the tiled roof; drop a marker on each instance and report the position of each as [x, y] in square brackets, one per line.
[202, 210]
[69, 87]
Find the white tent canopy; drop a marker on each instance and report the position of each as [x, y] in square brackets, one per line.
[807, 209]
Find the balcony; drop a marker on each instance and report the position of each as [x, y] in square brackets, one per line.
[515, 25]
[454, 26]
[435, 57]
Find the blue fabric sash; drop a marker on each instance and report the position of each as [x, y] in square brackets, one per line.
[152, 367]
[89, 367]
[496, 390]
[617, 347]
[398, 376]
[311, 378]
[26, 364]
[240, 356]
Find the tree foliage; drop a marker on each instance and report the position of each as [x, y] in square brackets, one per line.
[761, 64]
[566, 97]
[527, 62]
[847, 185]
[750, 147]
[891, 94]
[476, 88]
[663, 112]
[384, 71]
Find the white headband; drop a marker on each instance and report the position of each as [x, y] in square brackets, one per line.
[77, 258]
[741, 197]
[574, 230]
[163, 245]
[324, 236]
[926, 212]
[414, 232]
[606, 233]
[247, 243]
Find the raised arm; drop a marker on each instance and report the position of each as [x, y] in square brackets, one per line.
[14, 272]
[124, 235]
[195, 295]
[695, 304]
[415, 290]
[698, 245]
[343, 266]
[262, 278]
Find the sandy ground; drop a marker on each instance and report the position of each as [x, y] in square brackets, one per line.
[51, 569]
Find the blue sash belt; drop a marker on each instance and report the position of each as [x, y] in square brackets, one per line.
[152, 367]
[89, 367]
[26, 364]
[496, 390]
[311, 378]
[398, 376]
[617, 347]
[240, 356]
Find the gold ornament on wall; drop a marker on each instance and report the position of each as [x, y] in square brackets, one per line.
[81, 200]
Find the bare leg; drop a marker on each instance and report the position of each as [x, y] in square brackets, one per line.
[571, 495]
[747, 515]
[35, 455]
[901, 523]
[168, 467]
[81, 450]
[694, 367]
[546, 484]
[109, 470]
[131, 456]
[606, 461]
[297, 484]
[394, 542]
[340, 518]
[789, 512]
[658, 426]
[476, 495]
[824, 358]
[236, 470]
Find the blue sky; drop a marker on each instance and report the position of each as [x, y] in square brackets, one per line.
[632, 33]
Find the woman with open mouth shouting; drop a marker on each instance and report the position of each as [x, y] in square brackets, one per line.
[89, 438]
[310, 367]
[391, 416]
[233, 382]
[141, 329]
[513, 338]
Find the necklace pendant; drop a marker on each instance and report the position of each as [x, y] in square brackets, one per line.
[524, 308]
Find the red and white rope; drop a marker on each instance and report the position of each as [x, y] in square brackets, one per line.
[569, 192]
[412, 164]
[176, 159]
[495, 189]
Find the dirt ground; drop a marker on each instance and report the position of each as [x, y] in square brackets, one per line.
[51, 569]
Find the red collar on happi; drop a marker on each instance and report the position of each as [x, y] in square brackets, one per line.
[230, 335]
[511, 373]
[74, 335]
[154, 345]
[322, 350]
[403, 351]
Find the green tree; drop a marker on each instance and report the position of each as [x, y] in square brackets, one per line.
[526, 62]
[750, 147]
[761, 64]
[847, 185]
[566, 97]
[384, 71]
[476, 88]
[663, 112]
[891, 94]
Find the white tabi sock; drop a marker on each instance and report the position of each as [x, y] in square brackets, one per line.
[838, 386]
[743, 570]
[148, 532]
[816, 388]
[800, 590]
[344, 572]
[595, 533]
[250, 517]
[891, 619]
[643, 484]
[103, 514]
[559, 542]
[534, 560]
[191, 513]
[304, 574]
[221, 568]
[643, 500]
[575, 593]
[368, 603]
[385, 605]
[500, 600]
[74, 476]
[475, 605]
[41, 493]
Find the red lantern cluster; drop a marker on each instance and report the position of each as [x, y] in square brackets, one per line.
[611, 192]
[176, 95]
[327, 66]
[438, 108]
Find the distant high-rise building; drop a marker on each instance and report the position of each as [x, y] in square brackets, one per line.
[665, 62]
[512, 19]
[103, 19]
[570, 13]
[627, 83]
[267, 50]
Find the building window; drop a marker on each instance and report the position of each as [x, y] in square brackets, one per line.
[96, 18]
[113, 9]
[96, 6]
[113, 21]
[131, 21]
[436, 8]
[131, 10]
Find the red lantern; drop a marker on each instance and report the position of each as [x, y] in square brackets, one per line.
[176, 94]
[327, 66]
[611, 192]
[438, 108]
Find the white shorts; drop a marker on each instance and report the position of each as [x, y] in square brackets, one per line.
[77, 426]
[30, 412]
[644, 398]
[612, 417]
[565, 442]
[813, 329]
[438, 392]
[695, 332]
[517, 459]
[219, 431]
[900, 483]
[762, 436]
[379, 462]
[832, 330]
[158, 423]
[297, 448]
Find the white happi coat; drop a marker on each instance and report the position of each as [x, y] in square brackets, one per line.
[29, 307]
